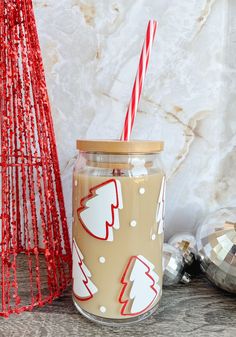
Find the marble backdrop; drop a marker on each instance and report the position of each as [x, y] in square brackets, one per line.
[91, 50]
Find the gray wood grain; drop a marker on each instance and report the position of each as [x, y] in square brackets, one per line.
[197, 309]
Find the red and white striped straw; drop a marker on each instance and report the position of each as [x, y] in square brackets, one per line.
[139, 80]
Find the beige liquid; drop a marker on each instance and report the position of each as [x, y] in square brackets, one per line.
[128, 241]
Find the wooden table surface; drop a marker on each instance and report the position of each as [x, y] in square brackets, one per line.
[197, 309]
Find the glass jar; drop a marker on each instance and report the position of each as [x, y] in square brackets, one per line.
[118, 210]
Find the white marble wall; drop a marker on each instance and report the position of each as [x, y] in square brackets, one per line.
[91, 50]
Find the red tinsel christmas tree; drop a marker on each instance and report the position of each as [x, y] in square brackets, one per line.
[35, 254]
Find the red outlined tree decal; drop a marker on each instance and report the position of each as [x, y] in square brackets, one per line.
[83, 287]
[99, 211]
[140, 287]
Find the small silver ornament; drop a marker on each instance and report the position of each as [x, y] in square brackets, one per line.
[216, 244]
[173, 266]
[186, 243]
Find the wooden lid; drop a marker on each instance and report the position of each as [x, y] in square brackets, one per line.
[116, 146]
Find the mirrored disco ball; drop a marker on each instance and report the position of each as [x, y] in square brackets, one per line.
[173, 266]
[216, 244]
[186, 243]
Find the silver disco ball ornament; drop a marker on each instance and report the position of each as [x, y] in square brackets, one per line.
[216, 244]
[186, 243]
[173, 266]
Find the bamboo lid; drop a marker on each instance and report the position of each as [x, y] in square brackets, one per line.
[116, 146]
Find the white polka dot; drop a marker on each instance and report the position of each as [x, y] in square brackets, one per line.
[153, 236]
[141, 190]
[102, 259]
[76, 182]
[102, 309]
[133, 223]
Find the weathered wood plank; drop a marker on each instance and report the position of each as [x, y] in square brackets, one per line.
[197, 309]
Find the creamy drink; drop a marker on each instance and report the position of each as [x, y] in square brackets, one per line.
[118, 210]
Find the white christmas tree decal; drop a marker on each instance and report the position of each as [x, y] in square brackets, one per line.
[140, 286]
[99, 211]
[83, 287]
[160, 213]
